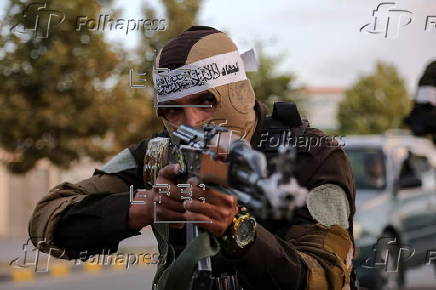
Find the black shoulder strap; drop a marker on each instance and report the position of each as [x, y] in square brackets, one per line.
[278, 129]
[287, 113]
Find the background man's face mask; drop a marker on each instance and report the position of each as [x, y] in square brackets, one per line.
[206, 59]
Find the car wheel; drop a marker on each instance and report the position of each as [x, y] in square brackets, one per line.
[391, 275]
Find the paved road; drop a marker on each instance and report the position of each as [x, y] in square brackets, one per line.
[132, 279]
[421, 278]
[139, 278]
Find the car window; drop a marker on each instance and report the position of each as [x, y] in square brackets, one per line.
[368, 165]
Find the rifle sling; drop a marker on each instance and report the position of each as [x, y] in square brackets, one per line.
[177, 273]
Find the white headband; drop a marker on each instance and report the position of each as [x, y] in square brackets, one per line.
[426, 94]
[201, 75]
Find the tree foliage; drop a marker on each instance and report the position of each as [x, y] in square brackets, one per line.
[68, 95]
[53, 86]
[270, 85]
[374, 103]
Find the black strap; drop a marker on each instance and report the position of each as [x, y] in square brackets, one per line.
[284, 122]
[287, 113]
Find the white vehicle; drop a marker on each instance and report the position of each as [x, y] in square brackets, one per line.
[396, 205]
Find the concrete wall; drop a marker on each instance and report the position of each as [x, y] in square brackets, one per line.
[320, 105]
[20, 193]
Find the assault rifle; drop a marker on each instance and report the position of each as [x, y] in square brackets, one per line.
[227, 163]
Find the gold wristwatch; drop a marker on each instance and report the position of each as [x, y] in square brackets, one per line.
[240, 234]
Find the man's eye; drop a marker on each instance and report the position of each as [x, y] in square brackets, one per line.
[168, 112]
[209, 101]
[172, 110]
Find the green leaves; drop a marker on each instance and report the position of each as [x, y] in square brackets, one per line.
[53, 89]
[73, 87]
[68, 96]
[374, 103]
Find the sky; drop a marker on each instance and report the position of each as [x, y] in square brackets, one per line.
[321, 40]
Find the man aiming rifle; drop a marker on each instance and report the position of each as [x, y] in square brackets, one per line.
[200, 79]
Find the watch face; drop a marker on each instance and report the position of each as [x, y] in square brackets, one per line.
[245, 232]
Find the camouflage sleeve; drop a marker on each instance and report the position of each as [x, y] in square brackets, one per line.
[326, 244]
[271, 263]
[50, 208]
[327, 253]
[310, 257]
[316, 250]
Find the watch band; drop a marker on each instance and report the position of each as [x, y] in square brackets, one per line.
[232, 243]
